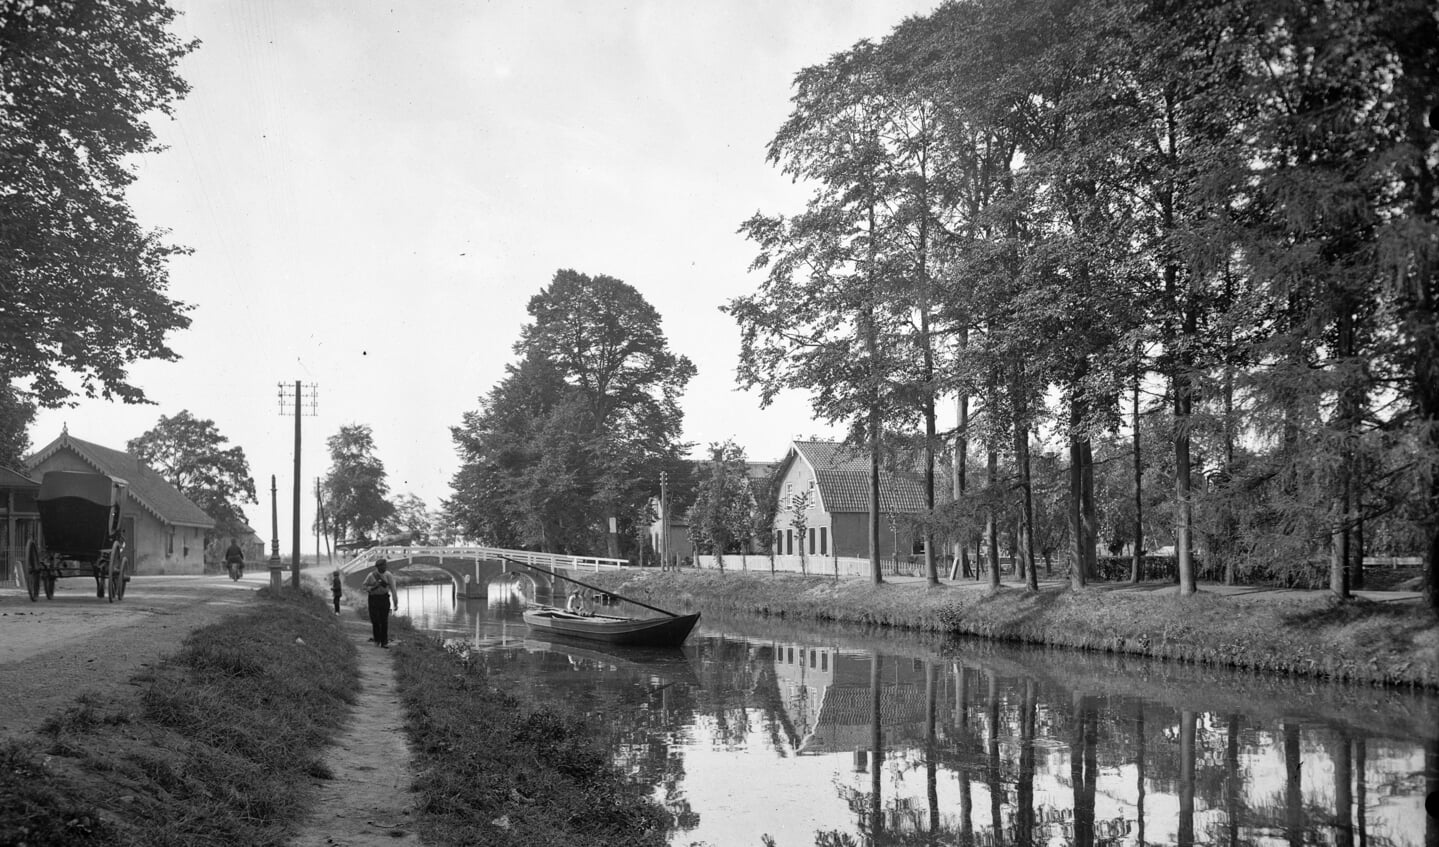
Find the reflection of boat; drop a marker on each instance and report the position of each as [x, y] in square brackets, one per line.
[669, 664]
[653, 632]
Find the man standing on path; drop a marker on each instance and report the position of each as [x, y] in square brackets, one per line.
[380, 588]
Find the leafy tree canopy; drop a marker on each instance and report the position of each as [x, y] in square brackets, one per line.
[191, 454]
[580, 427]
[82, 285]
[355, 487]
[723, 511]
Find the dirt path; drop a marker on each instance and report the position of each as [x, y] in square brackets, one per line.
[51, 651]
[367, 801]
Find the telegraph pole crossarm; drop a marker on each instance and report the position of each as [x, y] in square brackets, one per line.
[305, 401]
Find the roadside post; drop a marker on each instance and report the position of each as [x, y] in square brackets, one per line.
[275, 565]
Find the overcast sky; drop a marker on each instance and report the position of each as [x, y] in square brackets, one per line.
[374, 191]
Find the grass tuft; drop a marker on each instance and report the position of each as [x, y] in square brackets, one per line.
[217, 748]
[495, 769]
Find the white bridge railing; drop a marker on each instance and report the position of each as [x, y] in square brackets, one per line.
[548, 561]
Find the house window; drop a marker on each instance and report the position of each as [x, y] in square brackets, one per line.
[791, 655]
[824, 541]
[789, 489]
[789, 542]
[824, 661]
[170, 542]
[811, 541]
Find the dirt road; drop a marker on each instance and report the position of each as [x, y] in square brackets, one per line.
[53, 650]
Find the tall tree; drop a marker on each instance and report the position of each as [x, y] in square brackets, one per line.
[355, 485]
[824, 319]
[574, 434]
[191, 454]
[82, 285]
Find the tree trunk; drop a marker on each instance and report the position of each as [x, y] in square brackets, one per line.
[961, 457]
[1136, 566]
[1077, 575]
[1356, 550]
[1088, 514]
[1348, 424]
[1025, 552]
[991, 523]
[1183, 491]
[931, 567]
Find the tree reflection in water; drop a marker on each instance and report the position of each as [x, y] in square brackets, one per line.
[976, 744]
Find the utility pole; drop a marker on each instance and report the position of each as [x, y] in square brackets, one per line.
[664, 522]
[305, 402]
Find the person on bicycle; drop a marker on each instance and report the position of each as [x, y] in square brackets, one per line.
[234, 557]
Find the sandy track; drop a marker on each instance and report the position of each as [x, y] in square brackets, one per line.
[51, 651]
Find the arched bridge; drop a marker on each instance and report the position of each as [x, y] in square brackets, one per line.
[474, 568]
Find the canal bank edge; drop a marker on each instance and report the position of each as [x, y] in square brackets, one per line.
[1300, 633]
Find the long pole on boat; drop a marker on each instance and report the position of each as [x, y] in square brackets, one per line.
[591, 587]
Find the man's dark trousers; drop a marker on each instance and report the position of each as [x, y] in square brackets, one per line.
[380, 618]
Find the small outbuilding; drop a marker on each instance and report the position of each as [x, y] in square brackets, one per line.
[19, 521]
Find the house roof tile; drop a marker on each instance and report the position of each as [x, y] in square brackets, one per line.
[148, 488]
[843, 480]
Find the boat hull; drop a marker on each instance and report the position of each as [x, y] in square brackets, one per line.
[648, 632]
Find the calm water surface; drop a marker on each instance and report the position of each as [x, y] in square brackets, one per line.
[830, 736]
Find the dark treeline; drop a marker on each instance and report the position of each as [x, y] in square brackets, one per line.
[1192, 242]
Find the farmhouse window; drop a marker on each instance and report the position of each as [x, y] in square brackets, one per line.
[170, 543]
[811, 541]
[789, 542]
[824, 541]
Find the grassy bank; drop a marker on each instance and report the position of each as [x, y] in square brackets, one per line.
[215, 747]
[494, 769]
[1311, 635]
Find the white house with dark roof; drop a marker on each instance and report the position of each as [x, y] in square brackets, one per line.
[836, 524]
[164, 530]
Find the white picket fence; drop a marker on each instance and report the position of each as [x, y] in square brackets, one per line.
[844, 566]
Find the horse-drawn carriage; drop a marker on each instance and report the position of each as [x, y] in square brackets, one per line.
[80, 534]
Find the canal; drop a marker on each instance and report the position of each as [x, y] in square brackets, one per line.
[829, 736]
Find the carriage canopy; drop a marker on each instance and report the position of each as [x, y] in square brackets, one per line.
[79, 512]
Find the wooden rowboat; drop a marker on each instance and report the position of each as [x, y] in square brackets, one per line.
[648, 632]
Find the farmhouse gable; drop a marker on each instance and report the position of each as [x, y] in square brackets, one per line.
[166, 530]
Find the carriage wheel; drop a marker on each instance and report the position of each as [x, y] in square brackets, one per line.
[124, 577]
[113, 570]
[32, 571]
